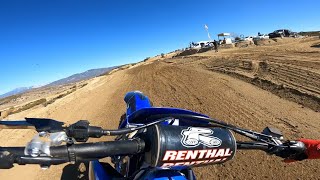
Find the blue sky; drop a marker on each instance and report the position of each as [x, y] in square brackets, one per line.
[45, 40]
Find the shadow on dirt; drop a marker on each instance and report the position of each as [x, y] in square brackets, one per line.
[316, 45]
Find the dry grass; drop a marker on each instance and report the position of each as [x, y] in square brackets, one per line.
[72, 89]
[9, 98]
[28, 106]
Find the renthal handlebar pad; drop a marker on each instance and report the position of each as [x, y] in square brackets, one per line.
[188, 146]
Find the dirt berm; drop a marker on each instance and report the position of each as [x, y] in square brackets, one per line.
[189, 87]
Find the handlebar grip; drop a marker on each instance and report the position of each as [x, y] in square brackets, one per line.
[8, 156]
[18, 151]
[294, 150]
[6, 160]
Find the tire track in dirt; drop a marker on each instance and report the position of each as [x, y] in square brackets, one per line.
[249, 117]
[305, 82]
[300, 74]
[307, 88]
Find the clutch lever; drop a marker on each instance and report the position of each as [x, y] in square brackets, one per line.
[39, 124]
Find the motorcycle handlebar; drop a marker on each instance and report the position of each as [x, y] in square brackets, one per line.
[88, 151]
[252, 146]
[94, 151]
[72, 153]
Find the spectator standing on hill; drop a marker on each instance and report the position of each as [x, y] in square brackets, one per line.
[215, 44]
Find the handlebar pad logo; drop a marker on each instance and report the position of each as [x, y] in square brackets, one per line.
[193, 137]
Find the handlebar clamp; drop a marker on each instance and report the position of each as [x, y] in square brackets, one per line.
[294, 150]
[72, 154]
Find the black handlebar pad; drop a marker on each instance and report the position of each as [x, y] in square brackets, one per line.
[72, 153]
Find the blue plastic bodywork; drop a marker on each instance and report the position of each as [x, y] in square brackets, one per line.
[135, 101]
[98, 171]
[139, 110]
[162, 174]
[141, 116]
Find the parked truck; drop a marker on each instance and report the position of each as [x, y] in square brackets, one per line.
[282, 33]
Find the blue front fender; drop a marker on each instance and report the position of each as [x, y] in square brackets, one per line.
[140, 116]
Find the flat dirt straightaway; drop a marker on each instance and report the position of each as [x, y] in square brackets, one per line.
[185, 84]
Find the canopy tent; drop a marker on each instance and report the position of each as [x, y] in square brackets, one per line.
[226, 38]
[224, 34]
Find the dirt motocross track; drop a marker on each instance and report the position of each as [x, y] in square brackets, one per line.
[220, 85]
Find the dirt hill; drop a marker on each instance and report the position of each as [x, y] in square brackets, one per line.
[216, 84]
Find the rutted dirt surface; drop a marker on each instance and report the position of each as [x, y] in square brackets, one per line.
[193, 83]
[291, 71]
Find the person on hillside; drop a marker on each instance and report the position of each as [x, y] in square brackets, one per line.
[215, 44]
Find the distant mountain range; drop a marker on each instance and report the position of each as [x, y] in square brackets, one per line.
[16, 91]
[310, 33]
[71, 79]
[82, 76]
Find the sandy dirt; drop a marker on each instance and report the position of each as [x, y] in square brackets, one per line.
[202, 83]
